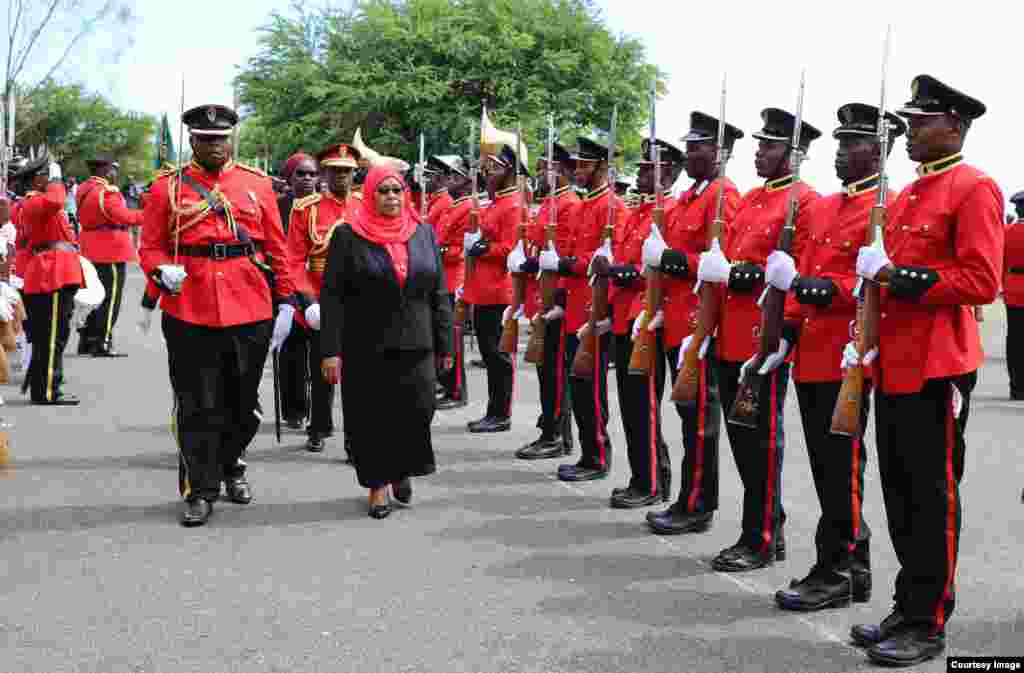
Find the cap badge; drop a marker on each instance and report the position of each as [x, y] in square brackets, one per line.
[211, 114]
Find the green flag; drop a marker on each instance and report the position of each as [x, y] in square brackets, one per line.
[164, 145]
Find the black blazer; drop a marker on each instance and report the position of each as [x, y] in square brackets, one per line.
[364, 310]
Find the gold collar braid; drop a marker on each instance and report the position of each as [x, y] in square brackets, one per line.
[187, 217]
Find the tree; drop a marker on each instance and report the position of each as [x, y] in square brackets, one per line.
[401, 67]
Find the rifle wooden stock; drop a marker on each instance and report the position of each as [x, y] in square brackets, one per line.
[548, 284]
[847, 413]
[510, 328]
[687, 380]
[645, 346]
[583, 363]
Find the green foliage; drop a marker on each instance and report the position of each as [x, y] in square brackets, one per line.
[75, 124]
[401, 67]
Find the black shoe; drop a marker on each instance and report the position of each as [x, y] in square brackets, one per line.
[59, 401]
[293, 423]
[742, 559]
[540, 449]
[85, 346]
[632, 498]
[479, 364]
[402, 491]
[1017, 396]
[237, 490]
[315, 444]
[195, 513]
[582, 473]
[866, 635]
[822, 588]
[492, 424]
[908, 646]
[445, 403]
[473, 424]
[108, 353]
[673, 521]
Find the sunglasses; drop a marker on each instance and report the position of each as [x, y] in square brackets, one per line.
[389, 190]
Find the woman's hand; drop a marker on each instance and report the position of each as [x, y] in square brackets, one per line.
[331, 370]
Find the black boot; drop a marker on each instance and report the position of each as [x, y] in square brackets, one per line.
[822, 588]
[632, 498]
[541, 448]
[195, 512]
[676, 520]
[237, 489]
[908, 646]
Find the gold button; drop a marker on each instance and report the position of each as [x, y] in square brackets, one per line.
[818, 267]
[905, 228]
[884, 315]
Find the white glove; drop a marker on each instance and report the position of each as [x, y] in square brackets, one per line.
[469, 239]
[654, 248]
[507, 314]
[771, 363]
[780, 271]
[55, 172]
[601, 327]
[548, 260]
[871, 260]
[851, 356]
[714, 267]
[686, 344]
[555, 313]
[516, 258]
[146, 321]
[458, 293]
[604, 251]
[657, 321]
[282, 326]
[172, 276]
[636, 323]
[312, 315]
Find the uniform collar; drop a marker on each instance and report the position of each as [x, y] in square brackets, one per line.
[333, 197]
[939, 166]
[223, 169]
[779, 183]
[597, 193]
[866, 185]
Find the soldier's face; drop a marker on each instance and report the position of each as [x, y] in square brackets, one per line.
[339, 179]
[304, 178]
[585, 173]
[932, 137]
[856, 158]
[211, 152]
[770, 160]
[700, 159]
[645, 179]
[388, 198]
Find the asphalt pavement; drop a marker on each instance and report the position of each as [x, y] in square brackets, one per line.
[496, 566]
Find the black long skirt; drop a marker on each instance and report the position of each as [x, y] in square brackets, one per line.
[388, 404]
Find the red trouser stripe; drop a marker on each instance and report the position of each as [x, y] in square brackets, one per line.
[559, 373]
[652, 429]
[598, 417]
[769, 492]
[698, 451]
[947, 592]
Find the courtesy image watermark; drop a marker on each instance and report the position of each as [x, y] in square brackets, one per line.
[984, 664]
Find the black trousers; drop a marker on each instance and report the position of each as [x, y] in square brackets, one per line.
[454, 380]
[590, 405]
[321, 393]
[921, 459]
[296, 372]
[758, 455]
[555, 393]
[500, 369]
[1015, 349]
[702, 421]
[837, 465]
[640, 410]
[49, 314]
[98, 331]
[216, 376]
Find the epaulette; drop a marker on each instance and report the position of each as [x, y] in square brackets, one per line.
[307, 201]
[252, 169]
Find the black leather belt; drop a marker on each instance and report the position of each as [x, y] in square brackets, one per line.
[218, 251]
[1016, 269]
[54, 245]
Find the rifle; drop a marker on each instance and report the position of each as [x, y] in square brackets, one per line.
[747, 406]
[583, 363]
[710, 308]
[474, 218]
[548, 279]
[847, 413]
[509, 342]
[642, 359]
[421, 177]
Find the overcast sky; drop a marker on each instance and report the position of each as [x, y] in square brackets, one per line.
[972, 46]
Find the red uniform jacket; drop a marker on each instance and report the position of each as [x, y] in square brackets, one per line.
[313, 220]
[45, 223]
[218, 292]
[834, 230]
[105, 220]
[753, 235]
[22, 253]
[437, 206]
[490, 283]
[629, 242]
[686, 231]
[590, 219]
[951, 221]
[565, 201]
[1013, 265]
[453, 224]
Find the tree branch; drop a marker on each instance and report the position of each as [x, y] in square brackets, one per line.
[23, 54]
[86, 28]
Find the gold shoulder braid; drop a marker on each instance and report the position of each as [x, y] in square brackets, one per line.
[320, 243]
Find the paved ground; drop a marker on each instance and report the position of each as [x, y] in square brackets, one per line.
[496, 567]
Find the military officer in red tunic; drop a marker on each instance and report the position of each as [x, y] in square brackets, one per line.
[820, 311]
[52, 274]
[213, 242]
[439, 197]
[685, 237]
[313, 221]
[754, 233]
[1013, 297]
[943, 256]
[106, 223]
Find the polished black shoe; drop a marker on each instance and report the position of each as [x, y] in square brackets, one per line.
[59, 401]
[908, 646]
[632, 498]
[866, 635]
[108, 353]
[675, 521]
[445, 403]
[293, 423]
[742, 559]
[315, 444]
[473, 424]
[403, 491]
[195, 513]
[540, 449]
[822, 588]
[583, 473]
[237, 490]
[492, 424]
